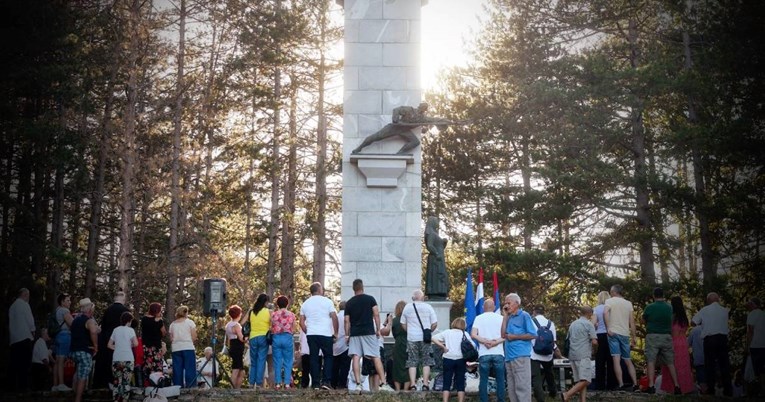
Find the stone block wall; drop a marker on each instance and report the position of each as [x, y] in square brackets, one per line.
[382, 227]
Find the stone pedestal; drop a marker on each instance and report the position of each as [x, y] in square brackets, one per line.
[382, 170]
[443, 310]
[382, 218]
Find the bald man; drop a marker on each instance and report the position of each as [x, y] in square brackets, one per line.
[416, 317]
[714, 321]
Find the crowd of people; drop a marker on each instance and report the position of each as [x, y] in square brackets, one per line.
[343, 348]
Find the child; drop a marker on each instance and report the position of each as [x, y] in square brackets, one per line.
[581, 336]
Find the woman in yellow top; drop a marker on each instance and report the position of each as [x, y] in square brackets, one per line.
[260, 323]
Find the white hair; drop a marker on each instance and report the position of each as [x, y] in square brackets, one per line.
[417, 295]
[514, 297]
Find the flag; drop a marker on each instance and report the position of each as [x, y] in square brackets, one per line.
[479, 294]
[469, 302]
[497, 303]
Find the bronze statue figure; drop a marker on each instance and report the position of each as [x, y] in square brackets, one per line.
[436, 279]
[404, 119]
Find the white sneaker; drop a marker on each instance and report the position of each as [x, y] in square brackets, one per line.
[386, 388]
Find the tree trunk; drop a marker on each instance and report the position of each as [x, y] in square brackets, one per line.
[526, 175]
[287, 274]
[97, 196]
[273, 226]
[175, 196]
[129, 152]
[642, 208]
[708, 267]
[320, 225]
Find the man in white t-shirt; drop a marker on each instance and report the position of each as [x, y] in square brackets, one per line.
[487, 331]
[755, 337]
[620, 325]
[714, 319]
[21, 325]
[417, 351]
[542, 365]
[318, 319]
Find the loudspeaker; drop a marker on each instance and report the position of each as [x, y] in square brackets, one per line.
[214, 297]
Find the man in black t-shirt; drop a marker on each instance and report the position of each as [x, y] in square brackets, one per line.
[362, 331]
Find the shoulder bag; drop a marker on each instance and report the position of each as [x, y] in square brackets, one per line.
[426, 332]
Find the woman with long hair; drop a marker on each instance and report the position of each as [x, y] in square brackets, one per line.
[680, 347]
[282, 328]
[152, 332]
[235, 343]
[604, 371]
[260, 322]
[63, 340]
[400, 372]
[183, 334]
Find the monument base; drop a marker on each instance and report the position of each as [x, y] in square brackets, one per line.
[443, 309]
[382, 170]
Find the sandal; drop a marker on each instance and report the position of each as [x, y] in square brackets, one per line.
[413, 388]
[425, 388]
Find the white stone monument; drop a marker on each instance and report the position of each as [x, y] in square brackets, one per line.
[382, 192]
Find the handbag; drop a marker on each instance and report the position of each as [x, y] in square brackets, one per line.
[247, 326]
[469, 353]
[426, 332]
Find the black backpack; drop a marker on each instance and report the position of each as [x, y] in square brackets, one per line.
[544, 342]
[53, 326]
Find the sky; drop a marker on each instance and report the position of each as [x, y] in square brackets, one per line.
[446, 24]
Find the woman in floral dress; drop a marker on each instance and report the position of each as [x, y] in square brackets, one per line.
[152, 332]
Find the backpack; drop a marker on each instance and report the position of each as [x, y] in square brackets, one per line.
[469, 353]
[544, 342]
[53, 326]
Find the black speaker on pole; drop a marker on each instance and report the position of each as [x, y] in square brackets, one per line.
[214, 297]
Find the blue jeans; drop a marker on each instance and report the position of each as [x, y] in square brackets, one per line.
[184, 368]
[323, 343]
[283, 349]
[258, 354]
[485, 363]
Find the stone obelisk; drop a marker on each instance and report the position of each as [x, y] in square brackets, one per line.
[382, 197]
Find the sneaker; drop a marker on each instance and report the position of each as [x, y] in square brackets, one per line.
[678, 391]
[636, 388]
[386, 388]
[650, 390]
[61, 387]
[325, 387]
[625, 387]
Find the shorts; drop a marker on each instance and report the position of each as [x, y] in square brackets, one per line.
[582, 370]
[619, 345]
[236, 352]
[758, 360]
[419, 353]
[659, 346]
[63, 342]
[84, 363]
[367, 345]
